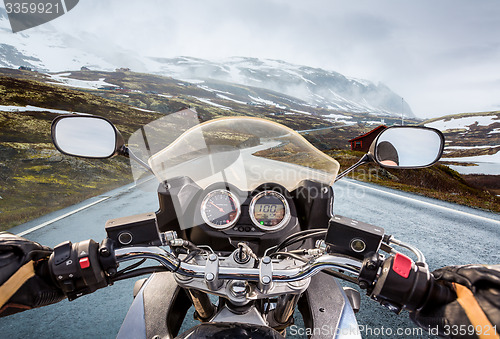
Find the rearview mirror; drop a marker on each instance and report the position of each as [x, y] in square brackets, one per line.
[86, 136]
[407, 147]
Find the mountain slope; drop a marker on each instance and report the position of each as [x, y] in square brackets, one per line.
[315, 86]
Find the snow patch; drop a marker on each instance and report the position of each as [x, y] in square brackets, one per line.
[193, 81]
[35, 109]
[206, 101]
[463, 123]
[470, 147]
[144, 110]
[230, 99]
[266, 102]
[484, 164]
[61, 80]
[301, 112]
[211, 90]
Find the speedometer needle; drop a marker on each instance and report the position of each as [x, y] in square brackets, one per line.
[220, 209]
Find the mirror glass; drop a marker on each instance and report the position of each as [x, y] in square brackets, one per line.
[408, 147]
[85, 136]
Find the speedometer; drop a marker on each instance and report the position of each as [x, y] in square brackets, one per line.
[220, 209]
[269, 210]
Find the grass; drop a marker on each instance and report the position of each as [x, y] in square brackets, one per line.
[36, 179]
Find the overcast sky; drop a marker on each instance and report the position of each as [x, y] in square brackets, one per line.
[443, 57]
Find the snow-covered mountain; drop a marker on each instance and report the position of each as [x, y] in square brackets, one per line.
[316, 86]
[45, 49]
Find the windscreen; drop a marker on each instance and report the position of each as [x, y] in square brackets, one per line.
[243, 152]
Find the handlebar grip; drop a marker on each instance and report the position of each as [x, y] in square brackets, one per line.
[404, 284]
[439, 294]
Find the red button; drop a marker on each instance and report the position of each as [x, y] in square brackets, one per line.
[84, 262]
[402, 265]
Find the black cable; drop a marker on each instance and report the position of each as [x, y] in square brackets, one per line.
[178, 266]
[341, 276]
[191, 255]
[298, 234]
[190, 246]
[305, 236]
[138, 272]
[291, 255]
[131, 267]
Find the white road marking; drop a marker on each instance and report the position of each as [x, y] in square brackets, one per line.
[134, 185]
[424, 202]
[23, 233]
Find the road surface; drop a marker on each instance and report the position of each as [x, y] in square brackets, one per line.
[446, 234]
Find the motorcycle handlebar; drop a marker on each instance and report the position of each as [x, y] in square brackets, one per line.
[396, 282]
[173, 264]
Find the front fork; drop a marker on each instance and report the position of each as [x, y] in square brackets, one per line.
[205, 309]
[278, 318]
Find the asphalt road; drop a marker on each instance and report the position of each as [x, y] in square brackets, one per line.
[446, 233]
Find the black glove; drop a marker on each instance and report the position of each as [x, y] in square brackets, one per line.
[25, 280]
[476, 311]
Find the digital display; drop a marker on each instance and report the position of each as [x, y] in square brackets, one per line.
[269, 214]
[269, 210]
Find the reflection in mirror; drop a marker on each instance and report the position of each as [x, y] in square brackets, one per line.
[408, 147]
[85, 136]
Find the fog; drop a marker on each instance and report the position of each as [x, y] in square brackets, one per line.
[442, 57]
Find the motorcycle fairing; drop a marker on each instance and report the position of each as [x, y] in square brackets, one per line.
[158, 309]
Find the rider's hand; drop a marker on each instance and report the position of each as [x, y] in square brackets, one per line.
[25, 280]
[476, 311]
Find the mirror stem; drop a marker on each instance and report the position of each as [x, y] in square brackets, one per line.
[364, 160]
[128, 153]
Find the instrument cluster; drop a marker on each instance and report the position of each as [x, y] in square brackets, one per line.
[265, 210]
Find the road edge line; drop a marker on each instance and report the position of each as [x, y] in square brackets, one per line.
[23, 233]
[425, 202]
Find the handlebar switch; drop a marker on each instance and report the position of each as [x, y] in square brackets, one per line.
[76, 268]
[62, 252]
[107, 257]
[369, 270]
[402, 284]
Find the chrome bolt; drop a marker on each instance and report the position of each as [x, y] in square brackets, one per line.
[266, 280]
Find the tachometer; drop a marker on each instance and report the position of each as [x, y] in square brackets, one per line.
[220, 209]
[269, 210]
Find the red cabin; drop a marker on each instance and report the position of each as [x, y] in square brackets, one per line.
[363, 142]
